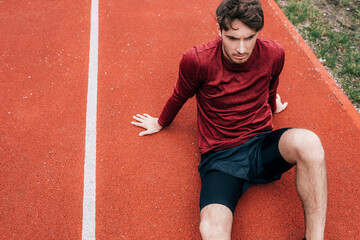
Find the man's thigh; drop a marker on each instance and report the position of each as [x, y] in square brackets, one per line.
[220, 188]
[273, 162]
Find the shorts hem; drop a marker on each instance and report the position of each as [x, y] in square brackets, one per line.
[220, 203]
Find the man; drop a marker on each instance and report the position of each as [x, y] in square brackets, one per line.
[235, 81]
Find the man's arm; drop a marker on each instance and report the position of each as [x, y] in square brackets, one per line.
[274, 99]
[187, 85]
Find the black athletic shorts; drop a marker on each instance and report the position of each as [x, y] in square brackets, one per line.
[260, 162]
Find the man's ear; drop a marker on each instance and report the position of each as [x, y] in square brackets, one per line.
[218, 29]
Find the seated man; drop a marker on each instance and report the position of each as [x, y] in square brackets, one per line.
[235, 79]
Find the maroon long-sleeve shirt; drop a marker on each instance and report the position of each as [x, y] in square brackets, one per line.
[234, 101]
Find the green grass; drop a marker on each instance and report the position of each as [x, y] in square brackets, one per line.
[335, 42]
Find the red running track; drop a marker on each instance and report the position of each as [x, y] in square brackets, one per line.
[43, 86]
[147, 188]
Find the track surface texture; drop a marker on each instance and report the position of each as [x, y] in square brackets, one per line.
[43, 80]
[146, 187]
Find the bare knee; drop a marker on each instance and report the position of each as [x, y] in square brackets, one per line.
[210, 229]
[302, 145]
[215, 222]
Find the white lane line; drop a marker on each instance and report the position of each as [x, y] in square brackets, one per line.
[88, 224]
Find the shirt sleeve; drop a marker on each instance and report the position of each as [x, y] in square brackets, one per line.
[274, 83]
[186, 86]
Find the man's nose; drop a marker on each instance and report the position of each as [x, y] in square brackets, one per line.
[241, 47]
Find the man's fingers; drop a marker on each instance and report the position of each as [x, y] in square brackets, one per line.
[281, 107]
[140, 116]
[138, 124]
[147, 132]
[138, 119]
[284, 105]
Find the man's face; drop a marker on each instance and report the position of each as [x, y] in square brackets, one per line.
[238, 42]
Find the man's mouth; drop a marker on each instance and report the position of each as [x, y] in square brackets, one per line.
[240, 57]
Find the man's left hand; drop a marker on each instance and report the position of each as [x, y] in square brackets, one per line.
[279, 105]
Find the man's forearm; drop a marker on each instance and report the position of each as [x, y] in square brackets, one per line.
[170, 110]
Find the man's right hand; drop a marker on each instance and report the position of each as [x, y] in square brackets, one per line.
[149, 123]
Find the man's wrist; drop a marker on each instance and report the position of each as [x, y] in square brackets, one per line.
[158, 125]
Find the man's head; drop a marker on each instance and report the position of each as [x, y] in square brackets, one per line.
[239, 22]
[249, 12]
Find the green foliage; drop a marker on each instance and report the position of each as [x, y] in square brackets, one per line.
[298, 12]
[338, 48]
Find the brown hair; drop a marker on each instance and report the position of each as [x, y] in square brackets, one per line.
[249, 12]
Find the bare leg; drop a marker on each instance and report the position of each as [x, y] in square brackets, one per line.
[216, 222]
[303, 148]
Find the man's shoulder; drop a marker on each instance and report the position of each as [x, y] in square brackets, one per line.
[208, 47]
[272, 53]
[202, 54]
[204, 50]
[271, 47]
